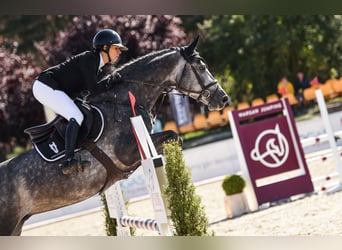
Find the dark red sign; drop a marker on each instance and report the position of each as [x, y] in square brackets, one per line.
[272, 155]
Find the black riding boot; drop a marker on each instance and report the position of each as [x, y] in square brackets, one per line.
[71, 133]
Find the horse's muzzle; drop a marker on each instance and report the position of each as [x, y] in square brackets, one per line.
[219, 100]
[226, 100]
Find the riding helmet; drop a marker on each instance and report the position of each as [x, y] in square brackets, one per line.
[107, 37]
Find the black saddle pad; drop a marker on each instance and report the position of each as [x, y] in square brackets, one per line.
[48, 139]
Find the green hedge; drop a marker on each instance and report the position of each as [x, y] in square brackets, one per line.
[186, 212]
[233, 184]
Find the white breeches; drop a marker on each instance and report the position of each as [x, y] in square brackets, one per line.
[58, 101]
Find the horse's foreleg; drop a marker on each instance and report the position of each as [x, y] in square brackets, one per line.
[10, 225]
[162, 137]
[18, 228]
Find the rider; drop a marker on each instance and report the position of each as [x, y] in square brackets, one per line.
[56, 87]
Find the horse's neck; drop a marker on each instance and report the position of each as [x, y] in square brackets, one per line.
[146, 78]
[152, 67]
[148, 82]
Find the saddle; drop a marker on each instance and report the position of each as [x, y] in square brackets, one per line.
[49, 140]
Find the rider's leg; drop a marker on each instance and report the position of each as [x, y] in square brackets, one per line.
[70, 163]
[58, 101]
[63, 105]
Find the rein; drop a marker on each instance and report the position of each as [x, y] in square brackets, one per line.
[195, 94]
[204, 92]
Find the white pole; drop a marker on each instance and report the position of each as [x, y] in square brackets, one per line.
[117, 208]
[327, 125]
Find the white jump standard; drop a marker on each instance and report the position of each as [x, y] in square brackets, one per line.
[155, 178]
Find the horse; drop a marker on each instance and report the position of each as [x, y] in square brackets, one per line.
[30, 185]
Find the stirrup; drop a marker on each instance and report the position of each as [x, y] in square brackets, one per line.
[69, 166]
[82, 165]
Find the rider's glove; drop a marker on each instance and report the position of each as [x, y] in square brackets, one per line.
[109, 81]
[115, 78]
[106, 83]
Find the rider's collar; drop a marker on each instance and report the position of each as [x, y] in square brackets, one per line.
[101, 62]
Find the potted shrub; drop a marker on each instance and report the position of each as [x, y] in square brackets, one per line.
[235, 201]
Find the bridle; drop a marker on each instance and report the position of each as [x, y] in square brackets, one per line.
[197, 95]
[204, 92]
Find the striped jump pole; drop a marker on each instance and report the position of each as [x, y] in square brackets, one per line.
[324, 183]
[321, 138]
[142, 223]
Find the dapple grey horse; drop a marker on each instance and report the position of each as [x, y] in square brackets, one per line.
[30, 185]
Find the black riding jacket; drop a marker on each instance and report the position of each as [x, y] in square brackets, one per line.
[78, 73]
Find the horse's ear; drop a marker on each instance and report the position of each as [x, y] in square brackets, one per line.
[189, 50]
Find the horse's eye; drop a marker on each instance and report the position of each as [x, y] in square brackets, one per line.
[202, 67]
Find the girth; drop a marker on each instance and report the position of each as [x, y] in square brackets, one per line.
[113, 172]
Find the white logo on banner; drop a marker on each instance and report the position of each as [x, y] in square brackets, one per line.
[273, 152]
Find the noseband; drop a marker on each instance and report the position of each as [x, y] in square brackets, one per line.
[204, 92]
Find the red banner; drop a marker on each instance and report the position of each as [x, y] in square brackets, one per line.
[271, 154]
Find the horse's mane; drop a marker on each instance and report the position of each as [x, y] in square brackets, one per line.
[135, 66]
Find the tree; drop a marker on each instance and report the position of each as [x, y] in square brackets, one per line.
[141, 34]
[28, 29]
[256, 51]
[18, 109]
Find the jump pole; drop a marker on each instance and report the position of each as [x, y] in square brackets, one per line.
[324, 114]
[155, 177]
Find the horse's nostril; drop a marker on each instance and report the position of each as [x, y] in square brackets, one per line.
[225, 99]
